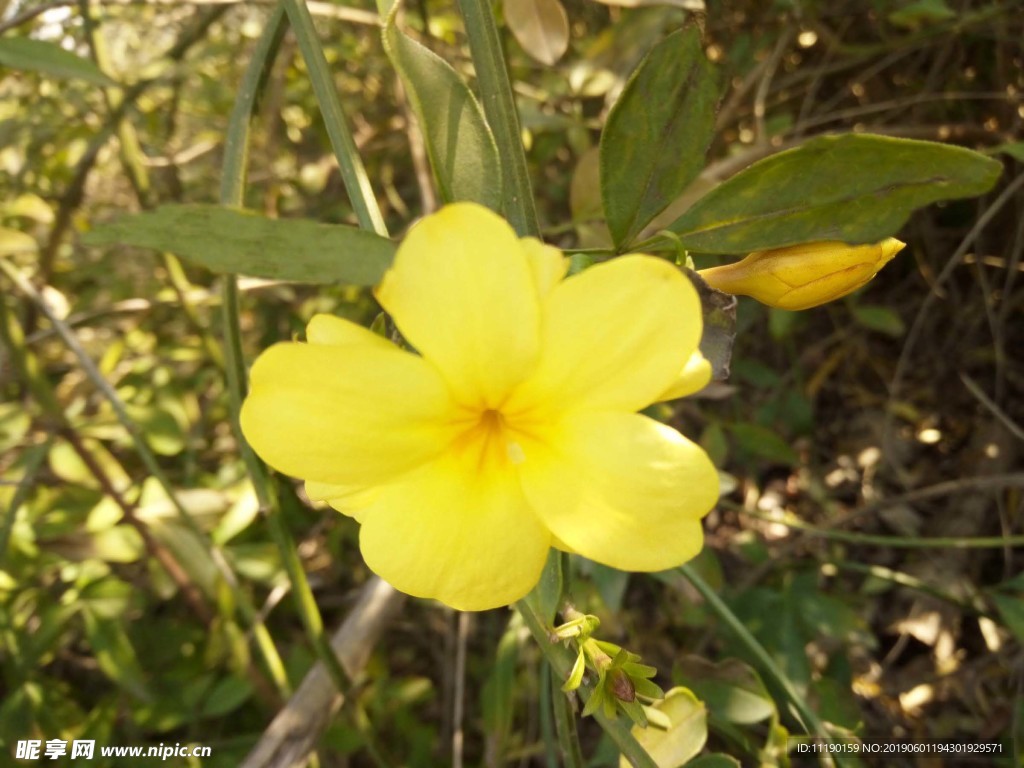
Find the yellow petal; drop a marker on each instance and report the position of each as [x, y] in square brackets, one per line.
[693, 378]
[350, 500]
[354, 415]
[614, 336]
[461, 290]
[339, 332]
[451, 533]
[547, 264]
[621, 489]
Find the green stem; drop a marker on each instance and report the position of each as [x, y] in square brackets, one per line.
[561, 660]
[565, 726]
[900, 542]
[547, 686]
[353, 173]
[811, 721]
[499, 104]
[231, 194]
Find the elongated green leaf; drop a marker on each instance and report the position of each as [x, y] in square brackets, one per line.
[115, 655]
[459, 142]
[657, 133]
[49, 59]
[236, 241]
[855, 188]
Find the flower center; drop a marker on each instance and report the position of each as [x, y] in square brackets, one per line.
[492, 441]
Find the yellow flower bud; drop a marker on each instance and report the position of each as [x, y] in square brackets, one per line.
[803, 276]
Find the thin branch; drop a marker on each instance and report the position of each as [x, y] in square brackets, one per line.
[291, 736]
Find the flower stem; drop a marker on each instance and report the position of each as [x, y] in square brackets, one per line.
[353, 173]
[232, 194]
[495, 89]
[561, 660]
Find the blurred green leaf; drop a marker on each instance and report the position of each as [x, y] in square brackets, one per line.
[881, 319]
[120, 544]
[114, 654]
[540, 26]
[657, 133]
[13, 241]
[458, 140]
[242, 242]
[107, 598]
[920, 13]
[781, 322]
[857, 188]
[760, 441]
[162, 431]
[731, 690]
[1012, 611]
[227, 695]
[1014, 149]
[49, 59]
[498, 693]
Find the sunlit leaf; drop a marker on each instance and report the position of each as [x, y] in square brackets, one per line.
[49, 59]
[540, 26]
[857, 188]
[685, 737]
[654, 142]
[462, 151]
[13, 241]
[243, 242]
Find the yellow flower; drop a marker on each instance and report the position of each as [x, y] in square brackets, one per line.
[513, 429]
[803, 276]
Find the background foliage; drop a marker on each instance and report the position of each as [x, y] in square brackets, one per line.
[849, 433]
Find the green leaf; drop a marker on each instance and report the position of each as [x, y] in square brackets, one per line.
[920, 13]
[546, 596]
[114, 654]
[684, 739]
[497, 696]
[657, 133]
[236, 241]
[855, 188]
[49, 59]
[881, 319]
[1014, 149]
[540, 26]
[13, 241]
[731, 690]
[761, 441]
[458, 140]
[227, 695]
[1012, 611]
